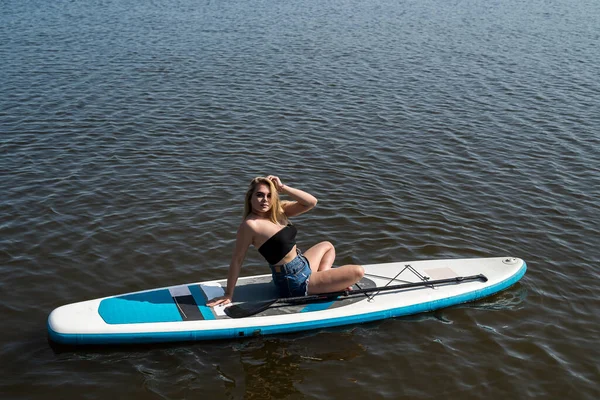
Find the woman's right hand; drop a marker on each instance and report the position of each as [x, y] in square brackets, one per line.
[221, 300]
[277, 182]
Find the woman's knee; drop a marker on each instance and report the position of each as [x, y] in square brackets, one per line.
[327, 249]
[359, 272]
[327, 245]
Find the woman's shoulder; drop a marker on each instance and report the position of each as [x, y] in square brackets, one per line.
[253, 223]
[256, 224]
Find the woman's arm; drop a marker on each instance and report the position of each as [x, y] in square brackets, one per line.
[242, 242]
[303, 201]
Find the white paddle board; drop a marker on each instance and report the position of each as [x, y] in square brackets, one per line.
[179, 313]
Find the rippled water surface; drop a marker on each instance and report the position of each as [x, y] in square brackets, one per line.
[426, 129]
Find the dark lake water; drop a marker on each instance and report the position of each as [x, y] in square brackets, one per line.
[426, 129]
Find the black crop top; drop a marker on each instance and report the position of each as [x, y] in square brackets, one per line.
[277, 246]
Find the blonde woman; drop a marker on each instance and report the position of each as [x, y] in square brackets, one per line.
[266, 227]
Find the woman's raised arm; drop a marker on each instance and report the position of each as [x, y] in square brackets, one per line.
[303, 201]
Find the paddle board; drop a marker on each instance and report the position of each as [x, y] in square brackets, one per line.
[179, 313]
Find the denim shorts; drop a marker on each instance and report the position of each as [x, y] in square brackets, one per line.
[292, 278]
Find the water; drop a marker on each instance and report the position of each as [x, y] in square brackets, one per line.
[426, 129]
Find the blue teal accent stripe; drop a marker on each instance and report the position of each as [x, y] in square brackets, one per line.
[153, 306]
[129, 338]
[200, 299]
[317, 306]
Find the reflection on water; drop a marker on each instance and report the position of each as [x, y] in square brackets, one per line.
[271, 371]
[275, 368]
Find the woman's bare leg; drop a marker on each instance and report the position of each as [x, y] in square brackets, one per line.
[326, 279]
[335, 279]
[320, 256]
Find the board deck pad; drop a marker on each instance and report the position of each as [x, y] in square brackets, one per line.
[180, 303]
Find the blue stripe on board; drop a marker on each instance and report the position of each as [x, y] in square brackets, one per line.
[206, 312]
[320, 306]
[123, 338]
[152, 306]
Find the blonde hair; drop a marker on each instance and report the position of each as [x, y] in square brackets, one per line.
[276, 214]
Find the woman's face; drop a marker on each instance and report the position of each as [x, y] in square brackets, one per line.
[261, 199]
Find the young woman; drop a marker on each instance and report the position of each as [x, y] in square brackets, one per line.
[267, 228]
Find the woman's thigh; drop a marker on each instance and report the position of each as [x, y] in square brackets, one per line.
[334, 279]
